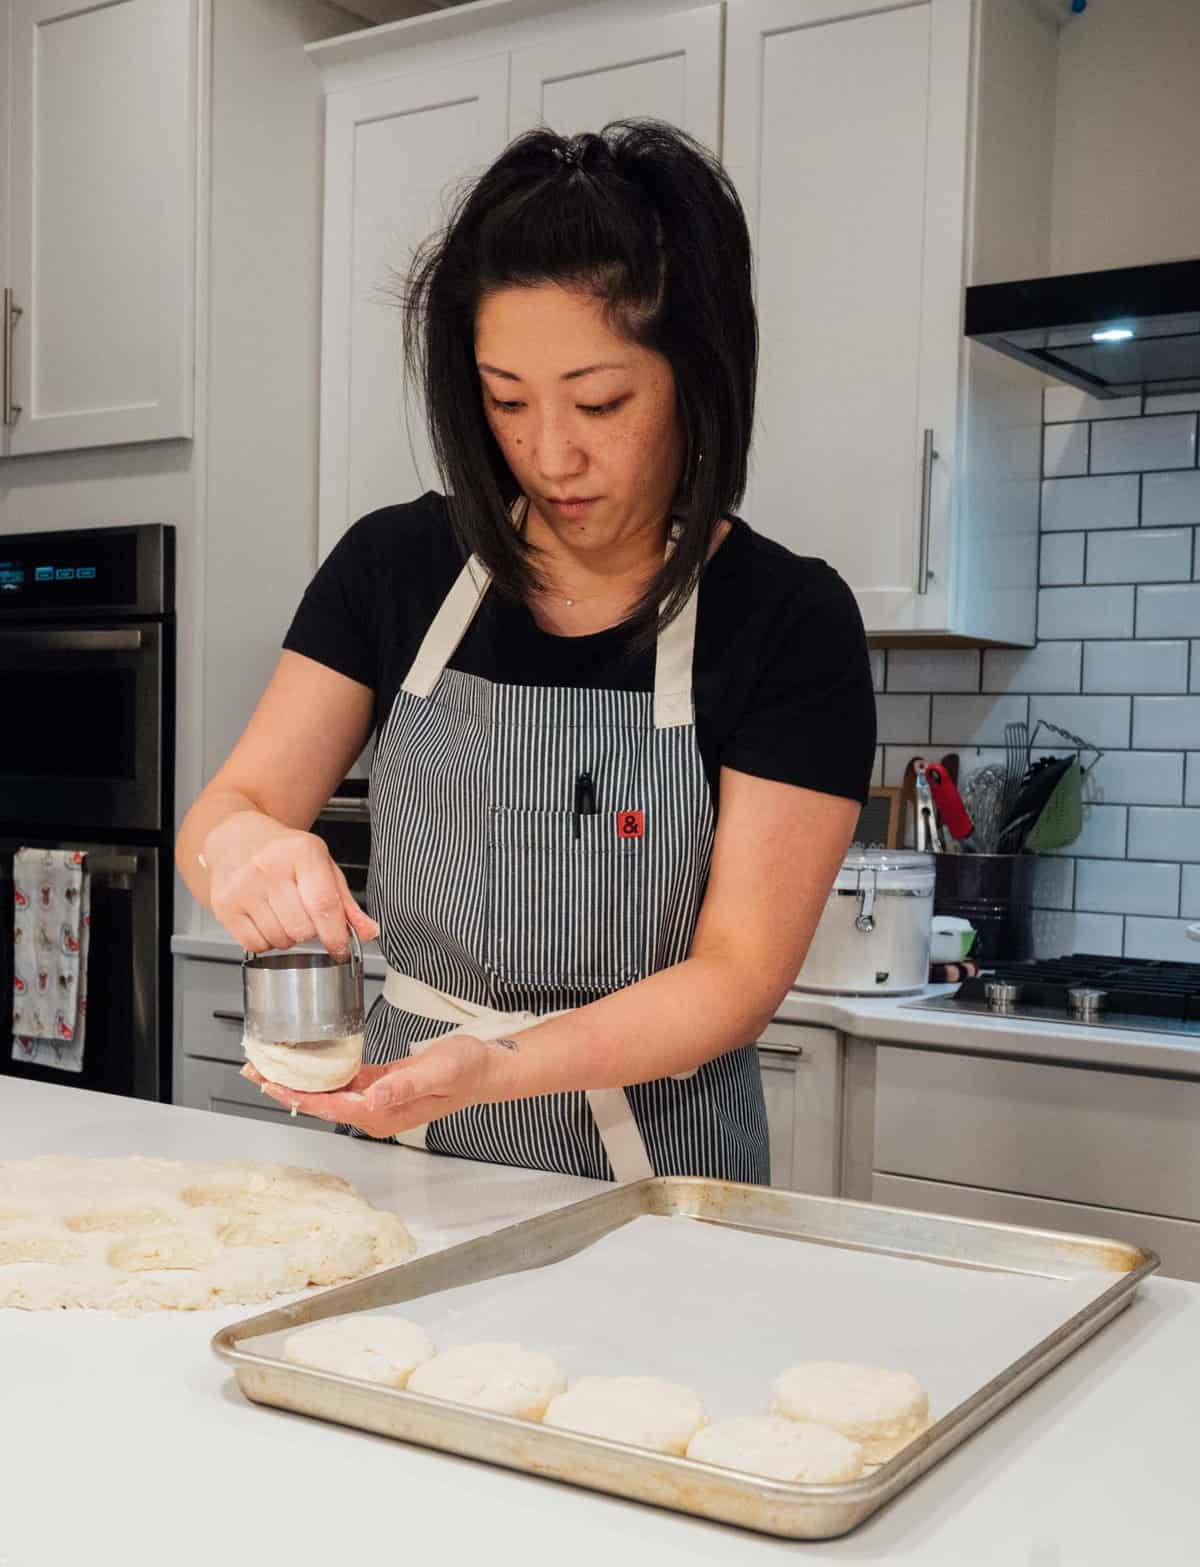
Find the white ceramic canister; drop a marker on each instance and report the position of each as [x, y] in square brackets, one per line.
[873, 937]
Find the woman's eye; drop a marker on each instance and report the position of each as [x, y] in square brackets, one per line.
[504, 408]
[600, 408]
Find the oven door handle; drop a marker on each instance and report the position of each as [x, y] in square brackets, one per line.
[125, 639]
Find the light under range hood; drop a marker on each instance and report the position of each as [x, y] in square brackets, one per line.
[1113, 334]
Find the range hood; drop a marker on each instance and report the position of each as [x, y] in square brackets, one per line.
[1113, 334]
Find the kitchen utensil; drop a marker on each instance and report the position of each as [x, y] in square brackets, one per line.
[1016, 747]
[981, 1310]
[950, 763]
[948, 802]
[299, 998]
[1040, 783]
[1060, 820]
[981, 795]
[873, 934]
[929, 832]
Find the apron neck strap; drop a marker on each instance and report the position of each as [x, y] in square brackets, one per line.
[673, 654]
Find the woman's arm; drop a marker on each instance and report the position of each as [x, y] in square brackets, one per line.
[778, 848]
[267, 878]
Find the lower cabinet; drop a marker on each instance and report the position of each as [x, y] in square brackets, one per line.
[1061, 1147]
[215, 1085]
[801, 1077]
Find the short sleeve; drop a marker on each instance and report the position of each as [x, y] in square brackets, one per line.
[336, 623]
[809, 718]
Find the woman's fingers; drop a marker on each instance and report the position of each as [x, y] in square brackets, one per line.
[320, 885]
[263, 915]
[247, 934]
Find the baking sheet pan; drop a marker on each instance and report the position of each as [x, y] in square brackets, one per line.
[719, 1287]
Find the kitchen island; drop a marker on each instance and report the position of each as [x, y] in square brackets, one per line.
[126, 1440]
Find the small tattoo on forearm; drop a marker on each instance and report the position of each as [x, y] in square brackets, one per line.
[507, 1044]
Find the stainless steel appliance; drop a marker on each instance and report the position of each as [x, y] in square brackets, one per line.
[87, 666]
[344, 825]
[1096, 991]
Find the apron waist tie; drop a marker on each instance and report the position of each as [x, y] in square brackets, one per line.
[623, 1142]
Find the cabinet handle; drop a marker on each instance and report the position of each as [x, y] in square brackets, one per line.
[928, 458]
[782, 1052]
[229, 1017]
[12, 314]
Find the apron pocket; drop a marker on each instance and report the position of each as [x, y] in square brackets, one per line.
[565, 912]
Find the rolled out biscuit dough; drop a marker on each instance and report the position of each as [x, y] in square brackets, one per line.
[138, 1234]
[317, 1068]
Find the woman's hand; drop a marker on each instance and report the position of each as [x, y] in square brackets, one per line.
[274, 886]
[455, 1071]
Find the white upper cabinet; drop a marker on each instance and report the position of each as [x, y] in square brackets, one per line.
[394, 151]
[848, 125]
[101, 203]
[668, 67]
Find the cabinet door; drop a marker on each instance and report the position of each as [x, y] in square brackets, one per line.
[668, 68]
[777, 1065]
[393, 152]
[846, 133]
[102, 220]
[211, 1085]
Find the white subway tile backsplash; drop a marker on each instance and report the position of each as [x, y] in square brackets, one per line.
[1102, 934]
[1159, 832]
[933, 669]
[1064, 403]
[1103, 720]
[1050, 666]
[877, 768]
[1064, 450]
[1134, 445]
[1170, 610]
[1189, 898]
[1135, 666]
[1087, 612]
[1169, 499]
[1061, 559]
[1138, 778]
[1191, 790]
[902, 718]
[1163, 939]
[1053, 933]
[1195, 680]
[975, 720]
[1053, 882]
[1125, 887]
[1140, 555]
[1172, 403]
[1166, 722]
[878, 668]
[1070, 504]
[1103, 835]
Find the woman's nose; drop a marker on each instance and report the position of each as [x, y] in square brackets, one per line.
[556, 453]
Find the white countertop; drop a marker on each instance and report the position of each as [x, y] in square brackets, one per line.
[896, 1021]
[125, 1439]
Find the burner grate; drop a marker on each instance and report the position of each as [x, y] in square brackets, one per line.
[1145, 986]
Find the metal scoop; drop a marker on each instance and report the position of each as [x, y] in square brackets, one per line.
[302, 998]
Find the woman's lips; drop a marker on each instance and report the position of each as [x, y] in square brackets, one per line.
[573, 508]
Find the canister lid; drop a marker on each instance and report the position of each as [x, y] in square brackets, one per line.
[897, 869]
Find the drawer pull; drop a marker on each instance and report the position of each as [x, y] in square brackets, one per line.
[782, 1052]
[229, 1017]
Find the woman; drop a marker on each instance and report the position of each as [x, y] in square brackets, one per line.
[621, 739]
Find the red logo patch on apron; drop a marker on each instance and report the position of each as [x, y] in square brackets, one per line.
[631, 824]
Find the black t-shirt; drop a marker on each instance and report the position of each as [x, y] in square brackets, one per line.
[782, 679]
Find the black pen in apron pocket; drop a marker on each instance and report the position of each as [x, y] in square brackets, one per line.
[585, 800]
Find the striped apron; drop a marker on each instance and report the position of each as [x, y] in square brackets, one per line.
[499, 905]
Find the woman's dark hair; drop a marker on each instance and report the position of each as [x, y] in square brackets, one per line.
[647, 220]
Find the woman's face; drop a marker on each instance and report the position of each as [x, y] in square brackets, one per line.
[585, 418]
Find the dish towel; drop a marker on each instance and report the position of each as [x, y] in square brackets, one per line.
[51, 921]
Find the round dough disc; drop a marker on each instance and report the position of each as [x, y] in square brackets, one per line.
[374, 1349]
[880, 1410]
[317, 1068]
[504, 1378]
[645, 1411]
[779, 1449]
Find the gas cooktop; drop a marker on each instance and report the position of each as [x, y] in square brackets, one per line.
[1137, 993]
